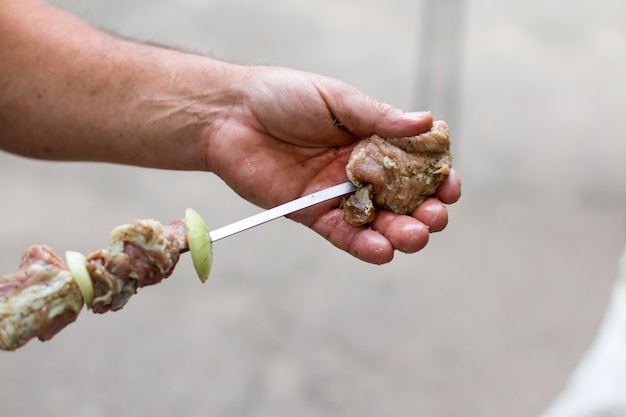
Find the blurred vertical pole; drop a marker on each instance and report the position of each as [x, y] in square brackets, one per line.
[440, 59]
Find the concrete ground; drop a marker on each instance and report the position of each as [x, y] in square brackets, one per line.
[487, 321]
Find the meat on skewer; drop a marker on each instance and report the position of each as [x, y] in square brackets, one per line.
[140, 254]
[37, 300]
[397, 174]
[42, 297]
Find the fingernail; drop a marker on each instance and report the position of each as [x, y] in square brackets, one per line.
[417, 115]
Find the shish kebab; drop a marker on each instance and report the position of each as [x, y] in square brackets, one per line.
[45, 294]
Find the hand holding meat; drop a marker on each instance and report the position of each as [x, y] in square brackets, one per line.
[299, 132]
[117, 101]
[74, 93]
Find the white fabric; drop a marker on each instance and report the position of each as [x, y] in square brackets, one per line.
[597, 387]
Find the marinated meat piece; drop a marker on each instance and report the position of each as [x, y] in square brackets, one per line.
[399, 173]
[140, 254]
[359, 207]
[37, 300]
[177, 228]
[42, 297]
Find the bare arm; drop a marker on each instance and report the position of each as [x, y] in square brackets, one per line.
[71, 92]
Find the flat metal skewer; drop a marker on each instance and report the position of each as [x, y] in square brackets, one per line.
[282, 210]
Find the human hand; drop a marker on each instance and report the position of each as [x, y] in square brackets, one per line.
[272, 134]
[292, 134]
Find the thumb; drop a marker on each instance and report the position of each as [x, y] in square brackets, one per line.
[364, 116]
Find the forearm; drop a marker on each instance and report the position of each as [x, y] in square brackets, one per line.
[71, 92]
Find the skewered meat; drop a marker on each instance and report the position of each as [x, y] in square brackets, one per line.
[140, 254]
[397, 174]
[42, 297]
[37, 300]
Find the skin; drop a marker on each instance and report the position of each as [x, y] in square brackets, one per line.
[71, 92]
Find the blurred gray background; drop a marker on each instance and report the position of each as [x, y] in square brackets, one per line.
[488, 320]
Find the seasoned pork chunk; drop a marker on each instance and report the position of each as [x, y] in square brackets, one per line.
[42, 297]
[37, 300]
[139, 254]
[397, 174]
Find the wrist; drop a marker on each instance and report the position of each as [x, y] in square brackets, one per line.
[178, 103]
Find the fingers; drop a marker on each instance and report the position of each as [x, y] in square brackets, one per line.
[432, 213]
[389, 231]
[405, 233]
[365, 244]
[376, 245]
[450, 191]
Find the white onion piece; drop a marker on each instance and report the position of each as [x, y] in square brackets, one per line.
[200, 245]
[76, 262]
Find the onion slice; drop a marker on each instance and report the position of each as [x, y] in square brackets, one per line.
[200, 245]
[76, 262]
